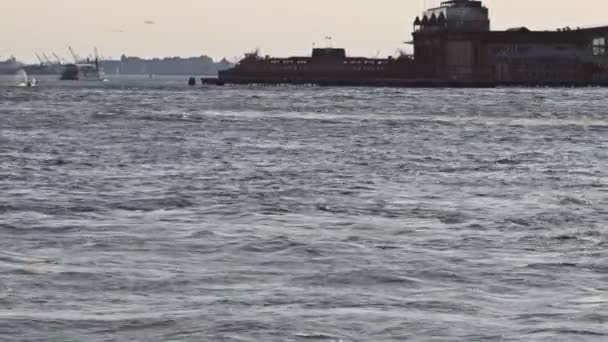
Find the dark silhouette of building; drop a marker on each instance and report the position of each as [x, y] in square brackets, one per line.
[453, 46]
[460, 46]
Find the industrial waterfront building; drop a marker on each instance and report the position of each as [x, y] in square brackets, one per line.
[453, 46]
[455, 41]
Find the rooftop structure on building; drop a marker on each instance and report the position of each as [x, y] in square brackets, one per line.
[455, 15]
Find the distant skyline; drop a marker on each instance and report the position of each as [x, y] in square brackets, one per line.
[159, 28]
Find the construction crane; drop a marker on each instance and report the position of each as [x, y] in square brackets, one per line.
[98, 57]
[47, 59]
[57, 58]
[39, 58]
[74, 55]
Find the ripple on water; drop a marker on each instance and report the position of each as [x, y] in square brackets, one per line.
[146, 210]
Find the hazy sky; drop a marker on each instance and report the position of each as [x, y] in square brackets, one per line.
[230, 27]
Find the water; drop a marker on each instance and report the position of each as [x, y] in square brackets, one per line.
[145, 210]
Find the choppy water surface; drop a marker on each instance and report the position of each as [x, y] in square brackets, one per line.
[149, 211]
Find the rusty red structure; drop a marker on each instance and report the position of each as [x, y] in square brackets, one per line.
[453, 47]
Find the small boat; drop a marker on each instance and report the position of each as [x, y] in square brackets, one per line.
[26, 82]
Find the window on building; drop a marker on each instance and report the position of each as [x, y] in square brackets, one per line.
[599, 46]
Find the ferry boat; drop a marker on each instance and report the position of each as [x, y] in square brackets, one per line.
[83, 72]
[325, 66]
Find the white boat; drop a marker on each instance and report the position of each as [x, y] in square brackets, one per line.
[25, 80]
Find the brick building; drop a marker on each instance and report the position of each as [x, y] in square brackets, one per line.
[454, 41]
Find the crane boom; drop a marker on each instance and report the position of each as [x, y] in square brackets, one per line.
[46, 58]
[98, 56]
[57, 58]
[39, 58]
[74, 55]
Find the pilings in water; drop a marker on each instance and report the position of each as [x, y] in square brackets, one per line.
[192, 81]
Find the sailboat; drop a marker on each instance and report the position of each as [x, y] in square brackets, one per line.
[25, 80]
